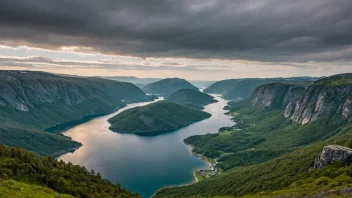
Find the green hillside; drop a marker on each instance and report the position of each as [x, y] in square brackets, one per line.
[65, 178]
[191, 98]
[13, 188]
[160, 116]
[31, 102]
[268, 153]
[168, 86]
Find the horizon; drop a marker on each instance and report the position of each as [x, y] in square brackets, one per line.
[200, 80]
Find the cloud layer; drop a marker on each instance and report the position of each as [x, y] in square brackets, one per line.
[257, 30]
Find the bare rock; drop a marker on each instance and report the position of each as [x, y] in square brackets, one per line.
[331, 154]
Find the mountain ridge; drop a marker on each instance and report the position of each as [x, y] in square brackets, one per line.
[191, 98]
[33, 101]
[168, 86]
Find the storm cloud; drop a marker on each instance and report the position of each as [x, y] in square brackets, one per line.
[259, 30]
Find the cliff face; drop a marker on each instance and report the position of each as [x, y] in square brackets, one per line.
[50, 99]
[331, 154]
[329, 97]
[275, 95]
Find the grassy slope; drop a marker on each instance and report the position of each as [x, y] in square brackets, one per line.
[159, 116]
[12, 188]
[191, 98]
[61, 177]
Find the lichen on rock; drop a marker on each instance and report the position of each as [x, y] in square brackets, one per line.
[331, 154]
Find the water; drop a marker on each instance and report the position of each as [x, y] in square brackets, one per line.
[142, 164]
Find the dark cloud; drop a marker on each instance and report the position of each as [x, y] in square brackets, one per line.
[264, 30]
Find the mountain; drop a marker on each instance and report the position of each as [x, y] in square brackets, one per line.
[328, 97]
[167, 86]
[33, 101]
[132, 79]
[201, 84]
[191, 98]
[242, 88]
[142, 82]
[24, 174]
[275, 95]
[157, 117]
[269, 154]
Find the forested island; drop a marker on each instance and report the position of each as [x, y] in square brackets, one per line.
[158, 117]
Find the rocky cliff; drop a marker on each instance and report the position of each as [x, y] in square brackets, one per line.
[275, 95]
[330, 97]
[331, 154]
[42, 99]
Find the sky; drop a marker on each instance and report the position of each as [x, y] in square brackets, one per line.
[192, 39]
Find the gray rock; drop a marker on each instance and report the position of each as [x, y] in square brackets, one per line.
[329, 97]
[331, 154]
[275, 95]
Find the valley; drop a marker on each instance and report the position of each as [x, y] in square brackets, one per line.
[176, 99]
[171, 147]
[143, 164]
[277, 137]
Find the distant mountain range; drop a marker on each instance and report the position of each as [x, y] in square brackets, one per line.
[242, 88]
[142, 82]
[168, 86]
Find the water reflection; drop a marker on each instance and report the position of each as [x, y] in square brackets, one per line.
[142, 164]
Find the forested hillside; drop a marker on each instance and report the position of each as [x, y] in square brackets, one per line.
[168, 86]
[157, 117]
[269, 153]
[191, 98]
[32, 171]
[33, 101]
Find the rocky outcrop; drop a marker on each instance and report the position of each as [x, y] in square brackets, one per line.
[331, 154]
[275, 95]
[330, 97]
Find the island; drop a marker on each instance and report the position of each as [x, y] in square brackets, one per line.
[191, 98]
[155, 118]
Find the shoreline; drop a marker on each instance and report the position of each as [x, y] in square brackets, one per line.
[62, 152]
[194, 171]
[160, 132]
[200, 156]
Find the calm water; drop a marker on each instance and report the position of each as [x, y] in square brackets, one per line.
[142, 164]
